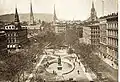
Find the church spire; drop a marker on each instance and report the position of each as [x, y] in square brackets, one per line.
[16, 16]
[92, 4]
[31, 14]
[17, 21]
[93, 8]
[93, 13]
[54, 16]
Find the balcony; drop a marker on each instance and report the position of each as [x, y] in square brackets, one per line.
[112, 36]
[112, 29]
[112, 46]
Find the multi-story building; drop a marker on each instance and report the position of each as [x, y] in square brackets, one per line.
[15, 37]
[103, 37]
[3, 44]
[109, 37]
[60, 28]
[112, 37]
[95, 35]
[93, 23]
[84, 34]
[16, 34]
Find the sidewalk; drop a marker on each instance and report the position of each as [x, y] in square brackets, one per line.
[109, 62]
[90, 75]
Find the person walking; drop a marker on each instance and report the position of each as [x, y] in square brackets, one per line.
[78, 72]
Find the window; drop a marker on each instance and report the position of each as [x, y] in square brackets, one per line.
[9, 40]
[8, 46]
[15, 40]
[12, 34]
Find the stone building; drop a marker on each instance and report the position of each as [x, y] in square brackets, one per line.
[60, 28]
[95, 35]
[109, 37]
[112, 37]
[84, 34]
[103, 37]
[16, 34]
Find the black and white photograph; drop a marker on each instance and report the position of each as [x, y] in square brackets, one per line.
[59, 41]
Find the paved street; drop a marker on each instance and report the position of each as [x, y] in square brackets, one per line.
[74, 74]
[111, 73]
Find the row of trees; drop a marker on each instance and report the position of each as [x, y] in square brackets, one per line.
[23, 60]
[85, 51]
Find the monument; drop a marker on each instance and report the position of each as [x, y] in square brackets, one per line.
[59, 64]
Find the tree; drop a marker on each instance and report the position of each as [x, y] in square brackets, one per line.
[71, 36]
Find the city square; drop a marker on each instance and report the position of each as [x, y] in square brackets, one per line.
[65, 46]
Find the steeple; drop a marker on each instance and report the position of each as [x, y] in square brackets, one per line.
[31, 14]
[54, 16]
[92, 4]
[93, 13]
[16, 16]
[17, 21]
[92, 9]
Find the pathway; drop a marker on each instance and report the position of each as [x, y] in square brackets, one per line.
[31, 75]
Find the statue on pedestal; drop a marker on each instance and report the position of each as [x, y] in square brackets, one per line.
[59, 64]
[59, 61]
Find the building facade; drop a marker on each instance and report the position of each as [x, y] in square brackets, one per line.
[103, 37]
[16, 34]
[84, 34]
[95, 35]
[112, 37]
[15, 37]
[109, 38]
[60, 28]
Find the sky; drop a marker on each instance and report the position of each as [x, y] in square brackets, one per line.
[65, 9]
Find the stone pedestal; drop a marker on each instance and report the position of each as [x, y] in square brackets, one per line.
[59, 67]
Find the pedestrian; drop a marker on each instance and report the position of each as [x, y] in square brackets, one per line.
[53, 72]
[79, 63]
[75, 60]
[78, 72]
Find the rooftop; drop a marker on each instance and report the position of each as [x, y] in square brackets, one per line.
[110, 15]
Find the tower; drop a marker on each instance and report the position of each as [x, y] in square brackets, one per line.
[31, 14]
[54, 15]
[93, 13]
[17, 21]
